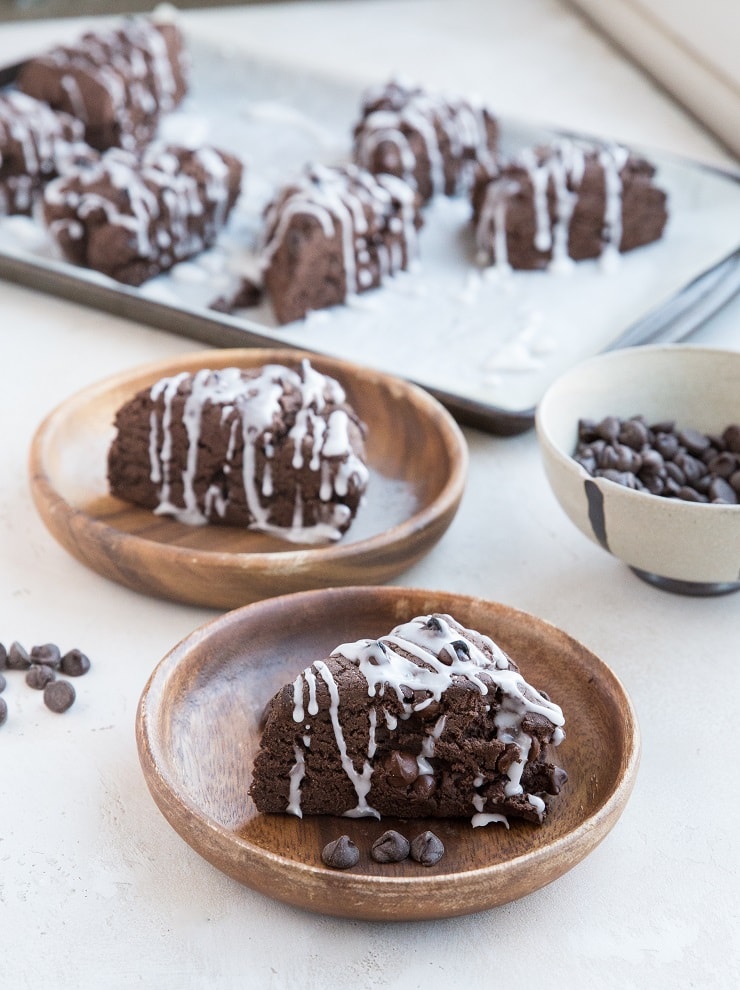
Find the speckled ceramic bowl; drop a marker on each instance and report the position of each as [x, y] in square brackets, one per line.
[685, 547]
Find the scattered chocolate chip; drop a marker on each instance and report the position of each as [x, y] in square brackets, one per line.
[39, 676]
[18, 658]
[48, 654]
[75, 663]
[3, 657]
[341, 853]
[59, 696]
[3, 711]
[427, 849]
[3, 683]
[391, 847]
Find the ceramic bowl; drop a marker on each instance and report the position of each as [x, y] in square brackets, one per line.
[686, 547]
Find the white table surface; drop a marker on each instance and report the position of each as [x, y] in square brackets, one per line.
[96, 889]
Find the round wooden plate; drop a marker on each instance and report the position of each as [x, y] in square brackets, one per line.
[198, 730]
[418, 464]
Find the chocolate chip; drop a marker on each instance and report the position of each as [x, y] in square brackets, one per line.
[723, 465]
[667, 445]
[341, 853]
[75, 663]
[378, 656]
[424, 786]
[3, 657]
[687, 494]
[391, 847]
[48, 654]
[3, 711]
[59, 696]
[722, 491]
[39, 676]
[608, 428]
[402, 768]
[731, 437]
[661, 460]
[3, 683]
[18, 658]
[694, 441]
[634, 433]
[558, 777]
[427, 849]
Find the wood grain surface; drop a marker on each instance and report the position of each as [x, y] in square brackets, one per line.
[198, 730]
[415, 451]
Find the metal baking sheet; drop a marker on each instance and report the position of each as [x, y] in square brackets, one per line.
[486, 344]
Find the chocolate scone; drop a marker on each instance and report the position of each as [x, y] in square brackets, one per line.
[333, 233]
[118, 82]
[566, 201]
[431, 720]
[133, 217]
[431, 141]
[272, 449]
[36, 144]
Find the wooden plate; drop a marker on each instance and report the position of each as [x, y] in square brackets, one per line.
[198, 732]
[418, 464]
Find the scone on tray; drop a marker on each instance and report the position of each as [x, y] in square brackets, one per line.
[133, 216]
[334, 232]
[117, 82]
[564, 202]
[434, 142]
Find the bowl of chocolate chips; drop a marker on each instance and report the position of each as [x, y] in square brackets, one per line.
[641, 447]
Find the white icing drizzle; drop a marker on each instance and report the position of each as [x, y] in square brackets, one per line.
[360, 781]
[126, 72]
[371, 743]
[347, 200]
[36, 144]
[430, 640]
[298, 699]
[172, 201]
[479, 819]
[440, 650]
[382, 137]
[313, 705]
[556, 174]
[250, 406]
[537, 803]
[297, 773]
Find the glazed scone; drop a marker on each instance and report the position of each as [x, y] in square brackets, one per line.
[566, 202]
[431, 720]
[333, 233]
[273, 449]
[433, 142]
[133, 217]
[117, 82]
[36, 144]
